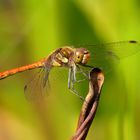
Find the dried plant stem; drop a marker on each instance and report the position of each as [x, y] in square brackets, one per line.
[90, 104]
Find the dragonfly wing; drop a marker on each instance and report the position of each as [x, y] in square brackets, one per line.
[36, 88]
[105, 55]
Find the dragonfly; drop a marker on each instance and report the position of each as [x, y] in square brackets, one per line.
[75, 58]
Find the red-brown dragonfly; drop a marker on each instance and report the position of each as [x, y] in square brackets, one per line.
[74, 59]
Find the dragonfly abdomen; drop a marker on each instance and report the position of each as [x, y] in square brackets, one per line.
[20, 69]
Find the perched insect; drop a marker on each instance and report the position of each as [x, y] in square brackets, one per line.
[74, 59]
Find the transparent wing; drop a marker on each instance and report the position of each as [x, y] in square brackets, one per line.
[105, 55]
[38, 86]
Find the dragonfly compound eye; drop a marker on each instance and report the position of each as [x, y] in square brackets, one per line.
[82, 56]
[86, 57]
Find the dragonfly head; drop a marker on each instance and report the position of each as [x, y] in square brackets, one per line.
[82, 56]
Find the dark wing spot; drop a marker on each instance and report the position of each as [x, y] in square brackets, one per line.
[133, 41]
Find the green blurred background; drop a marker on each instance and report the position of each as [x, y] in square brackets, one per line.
[30, 30]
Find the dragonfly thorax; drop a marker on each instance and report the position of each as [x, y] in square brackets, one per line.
[81, 56]
[68, 56]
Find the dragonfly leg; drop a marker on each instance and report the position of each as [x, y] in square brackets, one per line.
[74, 70]
[83, 72]
[69, 77]
[76, 93]
[71, 81]
[79, 70]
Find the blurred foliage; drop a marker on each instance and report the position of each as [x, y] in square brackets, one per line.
[30, 30]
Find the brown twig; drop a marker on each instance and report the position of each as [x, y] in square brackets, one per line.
[90, 104]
